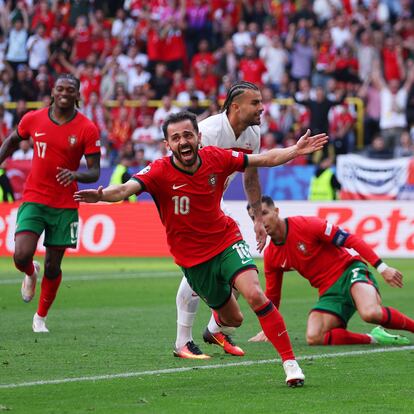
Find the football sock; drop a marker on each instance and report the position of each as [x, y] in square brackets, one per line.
[48, 292]
[187, 303]
[394, 319]
[340, 336]
[274, 328]
[29, 269]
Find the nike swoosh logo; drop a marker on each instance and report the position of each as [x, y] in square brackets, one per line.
[281, 333]
[176, 187]
[284, 263]
[246, 261]
[39, 134]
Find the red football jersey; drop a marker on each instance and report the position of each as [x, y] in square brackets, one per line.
[189, 204]
[317, 250]
[56, 146]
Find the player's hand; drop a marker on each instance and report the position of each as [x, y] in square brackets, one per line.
[261, 235]
[89, 196]
[260, 337]
[308, 144]
[393, 277]
[65, 176]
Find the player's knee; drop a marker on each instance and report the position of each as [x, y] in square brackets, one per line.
[314, 338]
[371, 314]
[21, 259]
[255, 297]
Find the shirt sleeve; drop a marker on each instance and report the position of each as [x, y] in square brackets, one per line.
[92, 141]
[341, 238]
[274, 279]
[23, 128]
[149, 177]
[234, 160]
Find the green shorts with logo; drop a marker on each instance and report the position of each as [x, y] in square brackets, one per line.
[59, 224]
[337, 299]
[213, 280]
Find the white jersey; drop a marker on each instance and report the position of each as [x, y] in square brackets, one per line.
[217, 131]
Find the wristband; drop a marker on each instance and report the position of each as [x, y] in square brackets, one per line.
[382, 267]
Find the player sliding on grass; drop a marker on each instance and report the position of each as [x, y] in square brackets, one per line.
[187, 188]
[317, 250]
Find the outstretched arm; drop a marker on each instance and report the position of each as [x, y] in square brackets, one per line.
[112, 193]
[254, 195]
[306, 145]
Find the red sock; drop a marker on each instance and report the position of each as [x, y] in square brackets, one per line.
[394, 319]
[48, 294]
[29, 269]
[340, 336]
[274, 328]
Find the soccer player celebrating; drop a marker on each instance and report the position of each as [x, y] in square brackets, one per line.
[187, 188]
[61, 137]
[237, 128]
[318, 251]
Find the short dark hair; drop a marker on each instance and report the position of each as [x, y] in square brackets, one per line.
[179, 117]
[237, 89]
[265, 199]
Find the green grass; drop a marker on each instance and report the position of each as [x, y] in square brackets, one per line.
[122, 320]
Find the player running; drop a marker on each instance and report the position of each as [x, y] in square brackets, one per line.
[317, 250]
[237, 128]
[187, 188]
[61, 137]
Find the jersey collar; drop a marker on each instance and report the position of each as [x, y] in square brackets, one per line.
[49, 112]
[183, 171]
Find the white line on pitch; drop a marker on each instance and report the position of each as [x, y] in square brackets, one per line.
[186, 369]
[121, 276]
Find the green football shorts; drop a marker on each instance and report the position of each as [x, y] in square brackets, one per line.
[213, 280]
[337, 299]
[59, 224]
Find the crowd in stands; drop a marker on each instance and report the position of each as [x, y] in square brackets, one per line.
[140, 60]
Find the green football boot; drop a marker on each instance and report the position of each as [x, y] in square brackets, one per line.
[382, 337]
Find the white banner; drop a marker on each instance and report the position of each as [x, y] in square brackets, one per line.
[365, 178]
[387, 226]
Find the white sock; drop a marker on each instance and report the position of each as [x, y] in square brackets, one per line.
[187, 304]
[212, 324]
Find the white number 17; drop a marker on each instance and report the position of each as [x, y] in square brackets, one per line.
[41, 149]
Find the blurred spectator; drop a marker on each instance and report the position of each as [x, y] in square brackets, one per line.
[21, 109]
[95, 111]
[44, 15]
[275, 58]
[340, 31]
[393, 104]
[206, 81]
[6, 123]
[146, 137]
[120, 131]
[301, 53]
[393, 60]
[138, 78]
[166, 108]
[251, 67]
[324, 184]
[17, 37]
[160, 82]
[367, 54]
[25, 151]
[203, 58]
[38, 48]
[377, 149]
[122, 27]
[194, 106]
[82, 40]
[405, 146]
[112, 77]
[241, 38]
[6, 189]
[22, 88]
[227, 61]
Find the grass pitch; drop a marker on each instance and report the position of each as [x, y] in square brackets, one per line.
[112, 330]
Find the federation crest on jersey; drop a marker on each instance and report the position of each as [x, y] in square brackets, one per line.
[212, 180]
[72, 139]
[302, 248]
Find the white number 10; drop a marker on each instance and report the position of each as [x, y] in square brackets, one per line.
[181, 205]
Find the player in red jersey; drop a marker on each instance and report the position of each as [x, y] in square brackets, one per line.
[61, 136]
[317, 250]
[187, 188]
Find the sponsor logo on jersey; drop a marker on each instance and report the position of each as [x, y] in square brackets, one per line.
[144, 170]
[212, 180]
[72, 140]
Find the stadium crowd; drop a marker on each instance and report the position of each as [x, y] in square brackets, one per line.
[139, 61]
